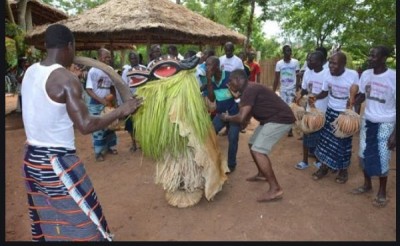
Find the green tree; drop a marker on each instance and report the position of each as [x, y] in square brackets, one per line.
[373, 23]
[354, 24]
[75, 6]
[314, 21]
[236, 15]
[15, 32]
[246, 8]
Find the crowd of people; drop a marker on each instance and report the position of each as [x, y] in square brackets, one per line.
[233, 95]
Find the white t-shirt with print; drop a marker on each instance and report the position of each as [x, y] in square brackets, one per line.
[338, 88]
[380, 95]
[230, 64]
[287, 73]
[306, 73]
[99, 82]
[313, 82]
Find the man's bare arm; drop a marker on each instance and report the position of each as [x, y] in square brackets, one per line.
[276, 81]
[64, 87]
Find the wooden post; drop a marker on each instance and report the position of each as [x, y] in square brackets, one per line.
[112, 53]
[123, 53]
[148, 48]
[29, 25]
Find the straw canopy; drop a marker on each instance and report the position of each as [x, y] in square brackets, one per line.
[127, 22]
[42, 13]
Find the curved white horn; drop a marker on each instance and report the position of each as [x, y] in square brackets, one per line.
[119, 84]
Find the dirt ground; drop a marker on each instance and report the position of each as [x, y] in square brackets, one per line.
[136, 209]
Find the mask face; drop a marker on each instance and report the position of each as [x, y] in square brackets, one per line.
[164, 67]
[138, 76]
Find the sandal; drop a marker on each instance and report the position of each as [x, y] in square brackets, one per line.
[113, 151]
[99, 157]
[380, 202]
[342, 177]
[320, 173]
[317, 164]
[301, 165]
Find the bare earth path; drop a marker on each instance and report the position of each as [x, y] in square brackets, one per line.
[137, 211]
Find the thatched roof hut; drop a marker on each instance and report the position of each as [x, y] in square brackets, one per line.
[127, 22]
[41, 13]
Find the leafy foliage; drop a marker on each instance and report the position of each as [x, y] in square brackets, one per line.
[11, 54]
[14, 32]
[235, 14]
[76, 6]
[356, 25]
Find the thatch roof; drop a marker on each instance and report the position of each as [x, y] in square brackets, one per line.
[126, 22]
[42, 13]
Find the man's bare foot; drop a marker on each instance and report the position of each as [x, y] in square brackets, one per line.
[271, 196]
[361, 190]
[256, 178]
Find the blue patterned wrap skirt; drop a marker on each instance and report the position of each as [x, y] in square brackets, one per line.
[63, 205]
[333, 151]
[374, 152]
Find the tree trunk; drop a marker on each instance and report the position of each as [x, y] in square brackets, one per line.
[178, 1]
[250, 25]
[21, 13]
[28, 18]
[211, 9]
[9, 12]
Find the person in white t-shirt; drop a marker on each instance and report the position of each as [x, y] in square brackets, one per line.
[229, 61]
[340, 85]
[312, 84]
[325, 63]
[98, 86]
[133, 63]
[286, 76]
[378, 125]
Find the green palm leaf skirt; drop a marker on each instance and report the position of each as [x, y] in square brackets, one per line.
[174, 128]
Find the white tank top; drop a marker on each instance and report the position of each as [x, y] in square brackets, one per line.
[46, 122]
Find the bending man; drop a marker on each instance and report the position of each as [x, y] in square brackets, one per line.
[276, 119]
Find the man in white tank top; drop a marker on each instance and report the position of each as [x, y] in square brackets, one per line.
[55, 178]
